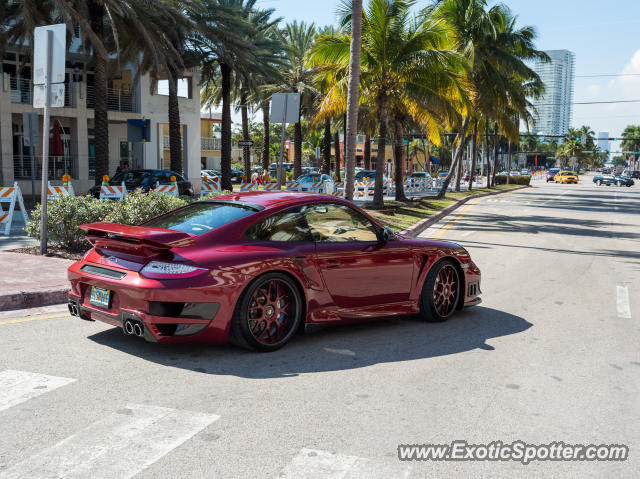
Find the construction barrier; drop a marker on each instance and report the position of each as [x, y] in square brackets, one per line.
[210, 187]
[293, 186]
[57, 191]
[338, 189]
[113, 192]
[271, 186]
[252, 186]
[11, 195]
[316, 187]
[170, 189]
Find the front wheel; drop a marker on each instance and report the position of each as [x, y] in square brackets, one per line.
[440, 292]
[267, 314]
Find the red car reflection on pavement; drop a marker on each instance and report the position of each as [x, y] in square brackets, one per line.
[253, 268]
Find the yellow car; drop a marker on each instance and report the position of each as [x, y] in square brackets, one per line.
[566, 177]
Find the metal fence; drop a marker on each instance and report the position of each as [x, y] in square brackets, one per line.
[22, 92]
[58, 166]
[117, 100]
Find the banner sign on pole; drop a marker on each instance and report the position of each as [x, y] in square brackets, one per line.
[285, 106]
[41, 55]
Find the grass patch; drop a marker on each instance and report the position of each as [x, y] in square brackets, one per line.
[399, 216]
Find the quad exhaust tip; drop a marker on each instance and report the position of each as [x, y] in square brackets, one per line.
[73, 309]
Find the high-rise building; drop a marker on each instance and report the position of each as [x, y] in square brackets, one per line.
[555, 107]
[603, 141]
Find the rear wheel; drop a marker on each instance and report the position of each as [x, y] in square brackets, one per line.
[267, 314]
[440, 292]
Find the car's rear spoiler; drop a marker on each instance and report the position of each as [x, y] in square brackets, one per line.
[139, 240]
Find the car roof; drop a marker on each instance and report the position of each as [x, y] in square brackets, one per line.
[270, 199]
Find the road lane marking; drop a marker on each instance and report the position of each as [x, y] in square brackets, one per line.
[467, 233]
[35, 318]
[622, 302]
[20, 386]
[453, 221]
[120, 445]
[315, 464]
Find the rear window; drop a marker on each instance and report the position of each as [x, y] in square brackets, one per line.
[202, 217]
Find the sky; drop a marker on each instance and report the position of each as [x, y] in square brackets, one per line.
[604, 35]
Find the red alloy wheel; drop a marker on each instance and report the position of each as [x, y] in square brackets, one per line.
[270, 315]
[445, 290]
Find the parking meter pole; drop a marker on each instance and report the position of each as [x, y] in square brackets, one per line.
[45, 146]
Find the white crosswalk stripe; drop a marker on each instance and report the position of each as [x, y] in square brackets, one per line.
[314, 464]
[118, 446]
[20, 386]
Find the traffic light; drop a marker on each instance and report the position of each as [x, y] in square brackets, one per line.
[578, 138]
[615, 139]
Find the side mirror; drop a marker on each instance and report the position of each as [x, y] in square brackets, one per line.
[386, 235]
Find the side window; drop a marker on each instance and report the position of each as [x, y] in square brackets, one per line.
[289, 225]
[161, 177]
[331, 222]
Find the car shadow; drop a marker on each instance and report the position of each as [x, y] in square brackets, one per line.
[333, 348]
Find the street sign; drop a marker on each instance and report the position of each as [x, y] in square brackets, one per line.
[30, 128]
[245, 143]
[56, 95]
[285, 108]
[58, 53]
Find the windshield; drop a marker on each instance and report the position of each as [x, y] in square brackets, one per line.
[131, 177]
[202, 217]
[310, 178]
[567, 173]
[365, 174]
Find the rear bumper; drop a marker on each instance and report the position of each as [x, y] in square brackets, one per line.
[197, 309]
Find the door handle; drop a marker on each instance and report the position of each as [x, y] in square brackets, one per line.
[332, 263]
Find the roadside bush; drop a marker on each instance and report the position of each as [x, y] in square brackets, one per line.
[138, 207]
[66, 213]
[513, 180]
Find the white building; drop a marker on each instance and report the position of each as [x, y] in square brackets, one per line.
[126, 99]
[555, 107]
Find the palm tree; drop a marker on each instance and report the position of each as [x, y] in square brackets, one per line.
[297, 40]
[101, 24]
[405, 67]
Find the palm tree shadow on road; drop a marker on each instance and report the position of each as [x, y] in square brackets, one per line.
[333, 348]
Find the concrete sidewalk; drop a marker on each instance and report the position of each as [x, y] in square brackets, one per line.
[31, 280]
[17, 237]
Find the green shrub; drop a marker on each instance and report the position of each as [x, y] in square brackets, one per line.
[513, 180]
[66, 213]
[138, 207]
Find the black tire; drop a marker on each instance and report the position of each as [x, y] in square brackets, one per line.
[429, 309]
[241, 333]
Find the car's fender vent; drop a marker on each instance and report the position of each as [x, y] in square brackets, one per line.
[474, 289]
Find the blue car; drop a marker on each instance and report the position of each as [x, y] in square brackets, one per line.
[609, 180]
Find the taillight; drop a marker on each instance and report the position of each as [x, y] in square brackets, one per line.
[160, 270]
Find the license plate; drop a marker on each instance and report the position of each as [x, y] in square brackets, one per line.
[100, 297]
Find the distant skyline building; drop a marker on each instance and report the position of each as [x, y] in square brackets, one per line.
[603, 141]
[555, 107]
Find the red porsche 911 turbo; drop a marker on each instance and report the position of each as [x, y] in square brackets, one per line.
[253, 268]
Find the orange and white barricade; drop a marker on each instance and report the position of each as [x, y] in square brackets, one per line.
[293, 186]
[171, 189]
[249, 186]
[369, 187]
[317, 187]
[113, 192]
[338, 189]
[389, 187]
[11, 195]
[210, 187]
[271, 186]
[57, 191]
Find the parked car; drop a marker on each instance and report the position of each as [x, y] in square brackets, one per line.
[420, 176]
[634, 174]
[609, 180]
[213, 175]
[229, 269]
[146, 180]
[307, 181]
[551, 174]
[273, 168]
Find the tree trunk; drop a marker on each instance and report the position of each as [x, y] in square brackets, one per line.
[326, 147]
[246, 153]
[457, 157]
[297, 150]
[509, 160]
[175, 148]
[378, 198]
[367, 152]
[398, 159]
[337, 153]
[353, 94]
[225, 142]
[265, 136]
[474, 154]
[495, 155]
[100, 114]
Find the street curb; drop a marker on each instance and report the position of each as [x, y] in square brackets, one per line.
[422, 225]
[33, 299]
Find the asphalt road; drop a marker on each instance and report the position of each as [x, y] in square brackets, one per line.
[551, 355]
